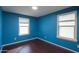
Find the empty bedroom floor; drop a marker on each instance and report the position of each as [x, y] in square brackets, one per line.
[34, 46]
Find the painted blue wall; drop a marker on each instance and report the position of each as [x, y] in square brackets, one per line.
[44, 27]
[11, 27]
[0, 27]
[48, 29]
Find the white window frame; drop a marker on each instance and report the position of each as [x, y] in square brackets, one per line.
[75, 27]
[22, 25]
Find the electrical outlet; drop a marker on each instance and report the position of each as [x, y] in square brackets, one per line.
[77, 46]
[15, 38]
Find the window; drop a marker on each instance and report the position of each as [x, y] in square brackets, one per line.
[23, 26]
[67, 26]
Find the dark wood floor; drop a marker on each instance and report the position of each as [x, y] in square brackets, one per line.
[34, 46]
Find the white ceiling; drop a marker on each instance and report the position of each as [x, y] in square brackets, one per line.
[27, 10]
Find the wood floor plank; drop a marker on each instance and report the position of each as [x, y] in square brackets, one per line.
[35, 46]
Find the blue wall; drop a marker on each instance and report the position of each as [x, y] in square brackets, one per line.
[48, 29]
[11, 25]
[43, 27]
[0, 27]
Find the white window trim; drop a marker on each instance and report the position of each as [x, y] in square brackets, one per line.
[28, 28]
[63, 38]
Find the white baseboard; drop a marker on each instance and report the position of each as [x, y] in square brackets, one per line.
[57, 45]
[19, 41]
[16, 43]
[42, 40]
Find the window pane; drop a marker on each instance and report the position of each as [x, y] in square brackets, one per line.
[23, 24]
[23, 30]
[66, 32]
[25, 20]
[67, 26]
[69, 16]
[67, 23]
